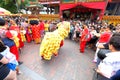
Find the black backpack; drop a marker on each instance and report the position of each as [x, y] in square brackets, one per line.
[102, 53]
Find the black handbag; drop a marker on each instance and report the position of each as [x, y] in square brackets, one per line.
[102, 53]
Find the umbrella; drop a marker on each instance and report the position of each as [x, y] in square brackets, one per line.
[4, 11]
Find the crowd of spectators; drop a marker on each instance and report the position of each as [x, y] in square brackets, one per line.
[15, 31]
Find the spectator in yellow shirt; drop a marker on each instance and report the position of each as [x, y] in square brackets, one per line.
[46, 26]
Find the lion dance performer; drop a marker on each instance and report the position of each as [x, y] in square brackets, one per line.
[52, 41]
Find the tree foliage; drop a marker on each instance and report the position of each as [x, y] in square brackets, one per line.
[14, 6]
[9, 5]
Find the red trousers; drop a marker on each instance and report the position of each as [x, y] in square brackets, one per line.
[82, 46]
[21, 43]
[28, 37]
[15, 51]
[61, 43]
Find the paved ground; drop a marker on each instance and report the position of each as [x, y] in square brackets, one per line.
[70, 64]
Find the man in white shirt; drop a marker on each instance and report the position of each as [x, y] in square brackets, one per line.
[111, 64]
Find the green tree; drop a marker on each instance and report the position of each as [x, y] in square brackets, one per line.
[9, 5]
[15, 6]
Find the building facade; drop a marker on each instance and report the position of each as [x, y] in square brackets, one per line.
[93, 9]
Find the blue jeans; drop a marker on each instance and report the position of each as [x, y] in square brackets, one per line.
[116, 76]
[11, 66]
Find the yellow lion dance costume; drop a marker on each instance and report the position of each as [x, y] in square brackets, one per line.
[51, 42]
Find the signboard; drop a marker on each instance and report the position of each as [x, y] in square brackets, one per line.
[68, 1]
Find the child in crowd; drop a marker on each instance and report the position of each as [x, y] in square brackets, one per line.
[28, 34]
[22, 33]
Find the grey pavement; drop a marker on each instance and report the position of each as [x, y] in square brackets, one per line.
[70, 64]
[31, 74]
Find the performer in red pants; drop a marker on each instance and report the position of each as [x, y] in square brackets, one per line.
[84, 38]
